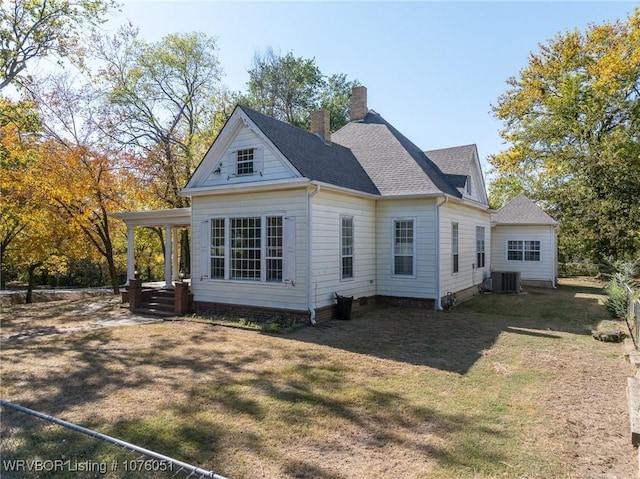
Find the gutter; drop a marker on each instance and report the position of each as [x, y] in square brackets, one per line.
[438, 301]
[310, 302]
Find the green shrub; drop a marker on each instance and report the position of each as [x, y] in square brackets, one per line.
[621, 274]
[570, 270]
[618, 300]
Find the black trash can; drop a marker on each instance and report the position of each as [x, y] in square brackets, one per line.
[344, 306]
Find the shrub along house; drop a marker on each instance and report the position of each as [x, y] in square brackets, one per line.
[283, 218]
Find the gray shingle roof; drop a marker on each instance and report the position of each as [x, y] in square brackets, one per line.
[456, 163]
[522, 211]
[311, 156]
[393, 162]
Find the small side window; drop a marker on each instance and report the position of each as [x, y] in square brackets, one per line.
[245, 165]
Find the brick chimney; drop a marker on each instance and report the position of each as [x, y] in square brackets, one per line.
[358, 103]
[320, 124]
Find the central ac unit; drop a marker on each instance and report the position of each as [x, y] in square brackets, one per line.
[505, 281]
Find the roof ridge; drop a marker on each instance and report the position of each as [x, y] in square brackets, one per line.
[308, 153]
[452, 147]
[428, 166]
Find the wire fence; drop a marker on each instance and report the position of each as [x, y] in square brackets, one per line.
[633, 315]
[37, 446]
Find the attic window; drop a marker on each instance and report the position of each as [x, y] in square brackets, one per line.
[468, 185]
[245, 162]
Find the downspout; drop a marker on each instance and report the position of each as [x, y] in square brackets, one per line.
[438, 302]
[310, 296]
[554, 241]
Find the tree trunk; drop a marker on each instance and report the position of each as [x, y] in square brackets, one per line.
[113, 274]
[30, 283]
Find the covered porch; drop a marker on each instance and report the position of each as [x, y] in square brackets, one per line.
[171, 221]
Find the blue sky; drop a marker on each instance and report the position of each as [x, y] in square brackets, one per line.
[432, 69]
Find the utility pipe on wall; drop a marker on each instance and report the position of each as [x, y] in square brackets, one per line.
[438, 301]
[310, 296]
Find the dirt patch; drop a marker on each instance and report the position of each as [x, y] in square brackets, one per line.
[65, 317]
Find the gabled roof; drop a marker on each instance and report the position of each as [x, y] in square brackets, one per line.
[457, 164]
[393, 162]
[522, 211]
[311, 156]
[455, 161]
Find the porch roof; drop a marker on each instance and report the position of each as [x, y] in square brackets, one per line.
[171, 217]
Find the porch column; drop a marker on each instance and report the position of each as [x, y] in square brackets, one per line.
[174, 255]
[168, 247]
[131, 259]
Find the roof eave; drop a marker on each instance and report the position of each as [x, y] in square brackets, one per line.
[275, 185]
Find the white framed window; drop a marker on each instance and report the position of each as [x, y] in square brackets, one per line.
[455, 245]
[247, 248]
[275, 245]
[346, 247]
[523, 250]
[468, 185]
[480, 247]
[217, 248]
[532, 250]
[404, 247]
[244, 163]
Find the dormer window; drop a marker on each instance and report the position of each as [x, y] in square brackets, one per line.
[245, 162]
[468, 185]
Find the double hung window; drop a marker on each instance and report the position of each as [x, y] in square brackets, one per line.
[523, 250]
[480, 245]
[346, 247]
[455, 245]
[403, 247]
[244, 163]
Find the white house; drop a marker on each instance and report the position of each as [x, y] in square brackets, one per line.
[524, 239]
[283, 218]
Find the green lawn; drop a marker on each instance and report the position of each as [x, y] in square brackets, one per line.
[502, 386]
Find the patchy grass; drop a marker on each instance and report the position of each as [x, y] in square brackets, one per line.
[502, 386]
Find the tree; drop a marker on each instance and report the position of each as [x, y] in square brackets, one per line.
[572, 119]
[335, 96]
[19, 124]
[33, 29]
[289, 88]
[80, 177]
[163, 102]
[32, 236]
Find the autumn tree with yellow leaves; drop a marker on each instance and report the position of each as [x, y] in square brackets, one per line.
[572, 120]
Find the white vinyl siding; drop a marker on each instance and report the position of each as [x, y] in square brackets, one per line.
[267, 164]
[423, 282]
[328, 209]
[291, 291]
[470, 222]
[535, 243]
